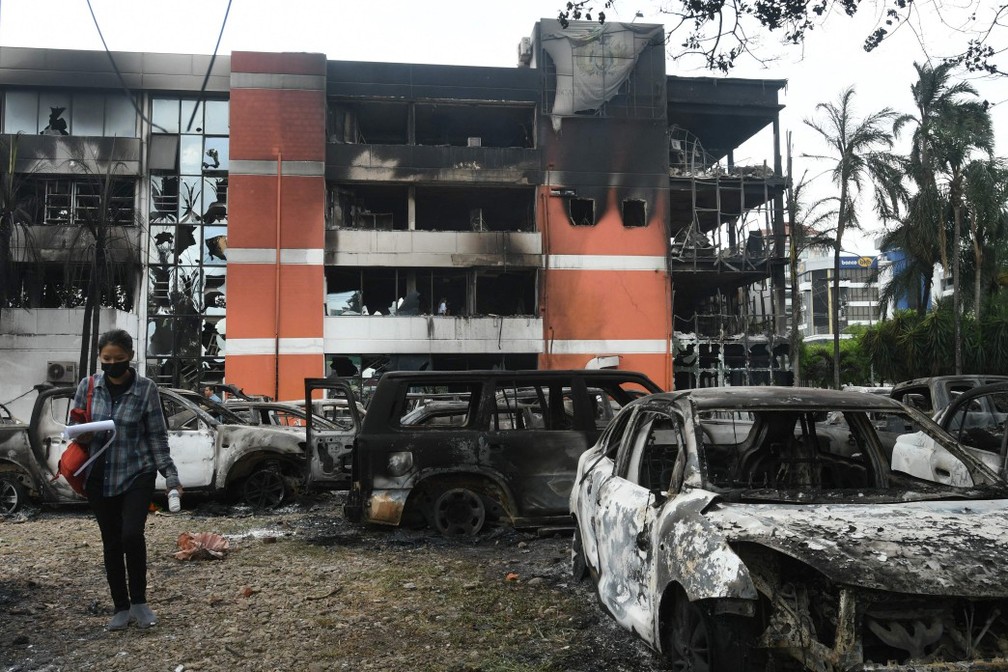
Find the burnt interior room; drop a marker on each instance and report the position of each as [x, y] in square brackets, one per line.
[371, 206]
[464, 291]
[468, 124]
[368, 122]
[505, 293]
[475, 209]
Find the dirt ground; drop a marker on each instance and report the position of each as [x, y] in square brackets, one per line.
[302, 589]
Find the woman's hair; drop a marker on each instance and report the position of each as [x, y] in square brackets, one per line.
[116, 337]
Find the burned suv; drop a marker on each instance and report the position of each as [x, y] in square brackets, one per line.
[456, 450]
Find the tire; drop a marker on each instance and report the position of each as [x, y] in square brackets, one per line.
[264, 488]
[13, 494]
[579, 566]
[458, 512]
[692, 639]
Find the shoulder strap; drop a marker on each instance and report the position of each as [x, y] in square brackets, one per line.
[90, 394]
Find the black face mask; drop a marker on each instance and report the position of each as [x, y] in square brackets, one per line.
[115, 369]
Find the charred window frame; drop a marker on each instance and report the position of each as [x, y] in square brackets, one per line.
[634, 211]
[581, 211]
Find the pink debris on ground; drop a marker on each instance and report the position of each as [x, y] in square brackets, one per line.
[201, 546]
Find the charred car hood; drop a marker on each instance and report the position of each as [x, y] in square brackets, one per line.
[924, 548]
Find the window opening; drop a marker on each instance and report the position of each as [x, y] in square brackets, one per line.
[634, 213]
[582, 211]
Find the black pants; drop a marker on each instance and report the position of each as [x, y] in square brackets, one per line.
[121, 520]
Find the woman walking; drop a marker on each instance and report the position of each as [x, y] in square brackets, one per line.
[120, 482]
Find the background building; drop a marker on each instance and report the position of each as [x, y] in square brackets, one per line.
[859, 292]
[301, 217]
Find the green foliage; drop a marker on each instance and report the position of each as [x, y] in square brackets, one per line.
[913, 346]
[817, 362]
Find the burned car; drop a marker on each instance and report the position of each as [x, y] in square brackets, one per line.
[977, 420]
[459, 449]
[216, 452]
[722, 529]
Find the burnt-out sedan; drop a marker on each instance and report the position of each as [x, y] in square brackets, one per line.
[727, 530]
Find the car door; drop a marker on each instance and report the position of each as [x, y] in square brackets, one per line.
[628, 503]
[977, 420]
[192, 441]
[330, 451]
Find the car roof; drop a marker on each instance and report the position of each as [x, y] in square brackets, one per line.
[775, 397]
[977, 378]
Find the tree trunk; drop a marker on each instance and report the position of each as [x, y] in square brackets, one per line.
[835, 303]
[977, 271]
[956, 290]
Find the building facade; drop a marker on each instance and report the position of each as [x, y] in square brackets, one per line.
[858, 296]
[301, 217]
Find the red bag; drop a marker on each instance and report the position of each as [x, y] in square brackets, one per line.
[76, 454]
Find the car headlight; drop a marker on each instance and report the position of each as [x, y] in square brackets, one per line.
[400, 463]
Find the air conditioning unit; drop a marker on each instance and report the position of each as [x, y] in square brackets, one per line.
[61, 372]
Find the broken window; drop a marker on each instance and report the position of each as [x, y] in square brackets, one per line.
[634, 213]
[474, 209]
[582, 211]
[505, 293]
[69, 113]
[374, 207]
[368, 122]
[188, 241]
[438, 406]
[57, 285]
[475, 125]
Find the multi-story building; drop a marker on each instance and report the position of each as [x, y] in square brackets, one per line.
[858, 297]
[300, 217]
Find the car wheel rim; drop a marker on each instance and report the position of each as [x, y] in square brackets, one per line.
[689, 639]
[8, 497]
[459, 512]
[265, 488]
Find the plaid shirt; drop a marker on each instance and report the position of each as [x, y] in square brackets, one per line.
[141, 442]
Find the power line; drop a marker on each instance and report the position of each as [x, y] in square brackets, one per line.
[122, 81]
[210, 68]
[125, 87]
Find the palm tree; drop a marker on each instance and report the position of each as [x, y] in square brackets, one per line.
[948, 130]
[806, 231]
[960, 131]
[985, 193]
[933, 94]
[857, 151]
[915, 238]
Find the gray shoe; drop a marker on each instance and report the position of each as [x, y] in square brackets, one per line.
[143, 615]
[120, 621]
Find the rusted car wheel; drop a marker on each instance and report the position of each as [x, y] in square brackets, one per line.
[459, 511]
[264, 488]
[12, 494]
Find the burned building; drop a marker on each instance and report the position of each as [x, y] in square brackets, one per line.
[300, 217]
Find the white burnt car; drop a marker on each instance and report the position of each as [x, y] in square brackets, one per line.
[217, 452]
[730, 529]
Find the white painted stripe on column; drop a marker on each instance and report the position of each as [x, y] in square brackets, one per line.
[265, 346]
[291, 257]
[605, 262]
[290, 168]
[655, 346]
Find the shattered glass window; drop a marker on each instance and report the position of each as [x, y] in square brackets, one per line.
[69, 113]
[438, 406]
[187, 249]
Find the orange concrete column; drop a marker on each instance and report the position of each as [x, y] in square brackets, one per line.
[276, 236]
[606, 289]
